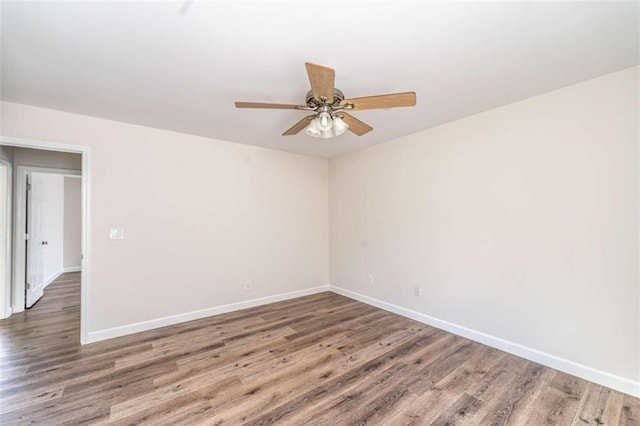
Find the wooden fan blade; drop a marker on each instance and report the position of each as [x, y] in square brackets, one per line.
[322, 80]
[295, 129]
[267, 105]
[392, 100]
[356, 126]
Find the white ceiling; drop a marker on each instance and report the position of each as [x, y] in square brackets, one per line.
[181, 65]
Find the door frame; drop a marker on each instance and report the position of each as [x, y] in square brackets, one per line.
[85, 152]
[5, 310]
[20, 220]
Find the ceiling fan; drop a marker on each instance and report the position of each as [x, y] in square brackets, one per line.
[329, 106]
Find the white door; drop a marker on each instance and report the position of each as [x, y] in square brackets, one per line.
[36, 242]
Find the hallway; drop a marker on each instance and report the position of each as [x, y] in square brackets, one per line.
[52, 324]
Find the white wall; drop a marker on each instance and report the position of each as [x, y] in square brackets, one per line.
[200, 217]
[72, 257]
[520, 222]
[52, 224]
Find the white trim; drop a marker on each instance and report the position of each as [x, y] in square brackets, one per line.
[19, 219]
[6, 311]
[86, 238]
[588, 373]
[37, 169]
[96, 336]
[43, 286]
[40, 144]
[71, 269]
[85, 151]
[17, 286]
[52, 279]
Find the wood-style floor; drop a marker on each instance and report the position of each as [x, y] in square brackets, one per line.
[321, 359]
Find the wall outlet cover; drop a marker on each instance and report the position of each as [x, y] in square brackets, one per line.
[116, 234]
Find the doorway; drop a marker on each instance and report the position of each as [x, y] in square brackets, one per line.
[41, 200]
[30, 213]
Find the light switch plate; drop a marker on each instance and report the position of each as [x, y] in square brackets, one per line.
[116, 234]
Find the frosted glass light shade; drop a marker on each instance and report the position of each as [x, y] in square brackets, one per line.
[312, 129]
[327, 134]
[339, 126]
[324, 121]
[326, 127]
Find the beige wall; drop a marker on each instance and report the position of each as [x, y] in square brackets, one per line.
[521, 222]
[72, 222]
[43, 158]
[201, 217]
[6, 153]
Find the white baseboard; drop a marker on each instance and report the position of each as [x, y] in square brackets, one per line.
[96, 336]
[588, 373]
[72, 269]
[34, 294]
[51, 279]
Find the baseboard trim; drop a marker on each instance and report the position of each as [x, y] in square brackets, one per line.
[36, 293]
[72, 269]
[51, 279]
[585, 372]
[96, 336]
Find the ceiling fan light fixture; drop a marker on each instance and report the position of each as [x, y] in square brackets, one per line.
[339, 126]
[312, 129]
[328, 106]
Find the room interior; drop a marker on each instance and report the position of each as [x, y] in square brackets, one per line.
[469, 251]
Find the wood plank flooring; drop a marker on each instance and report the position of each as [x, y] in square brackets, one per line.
[317, 360]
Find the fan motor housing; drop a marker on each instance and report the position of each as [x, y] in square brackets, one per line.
[338, 97]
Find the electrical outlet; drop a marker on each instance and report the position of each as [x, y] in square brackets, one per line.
[417, 291]
[371, 279]
[247, 285]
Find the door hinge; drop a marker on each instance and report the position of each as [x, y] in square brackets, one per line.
[26, 236]
[28, 186]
